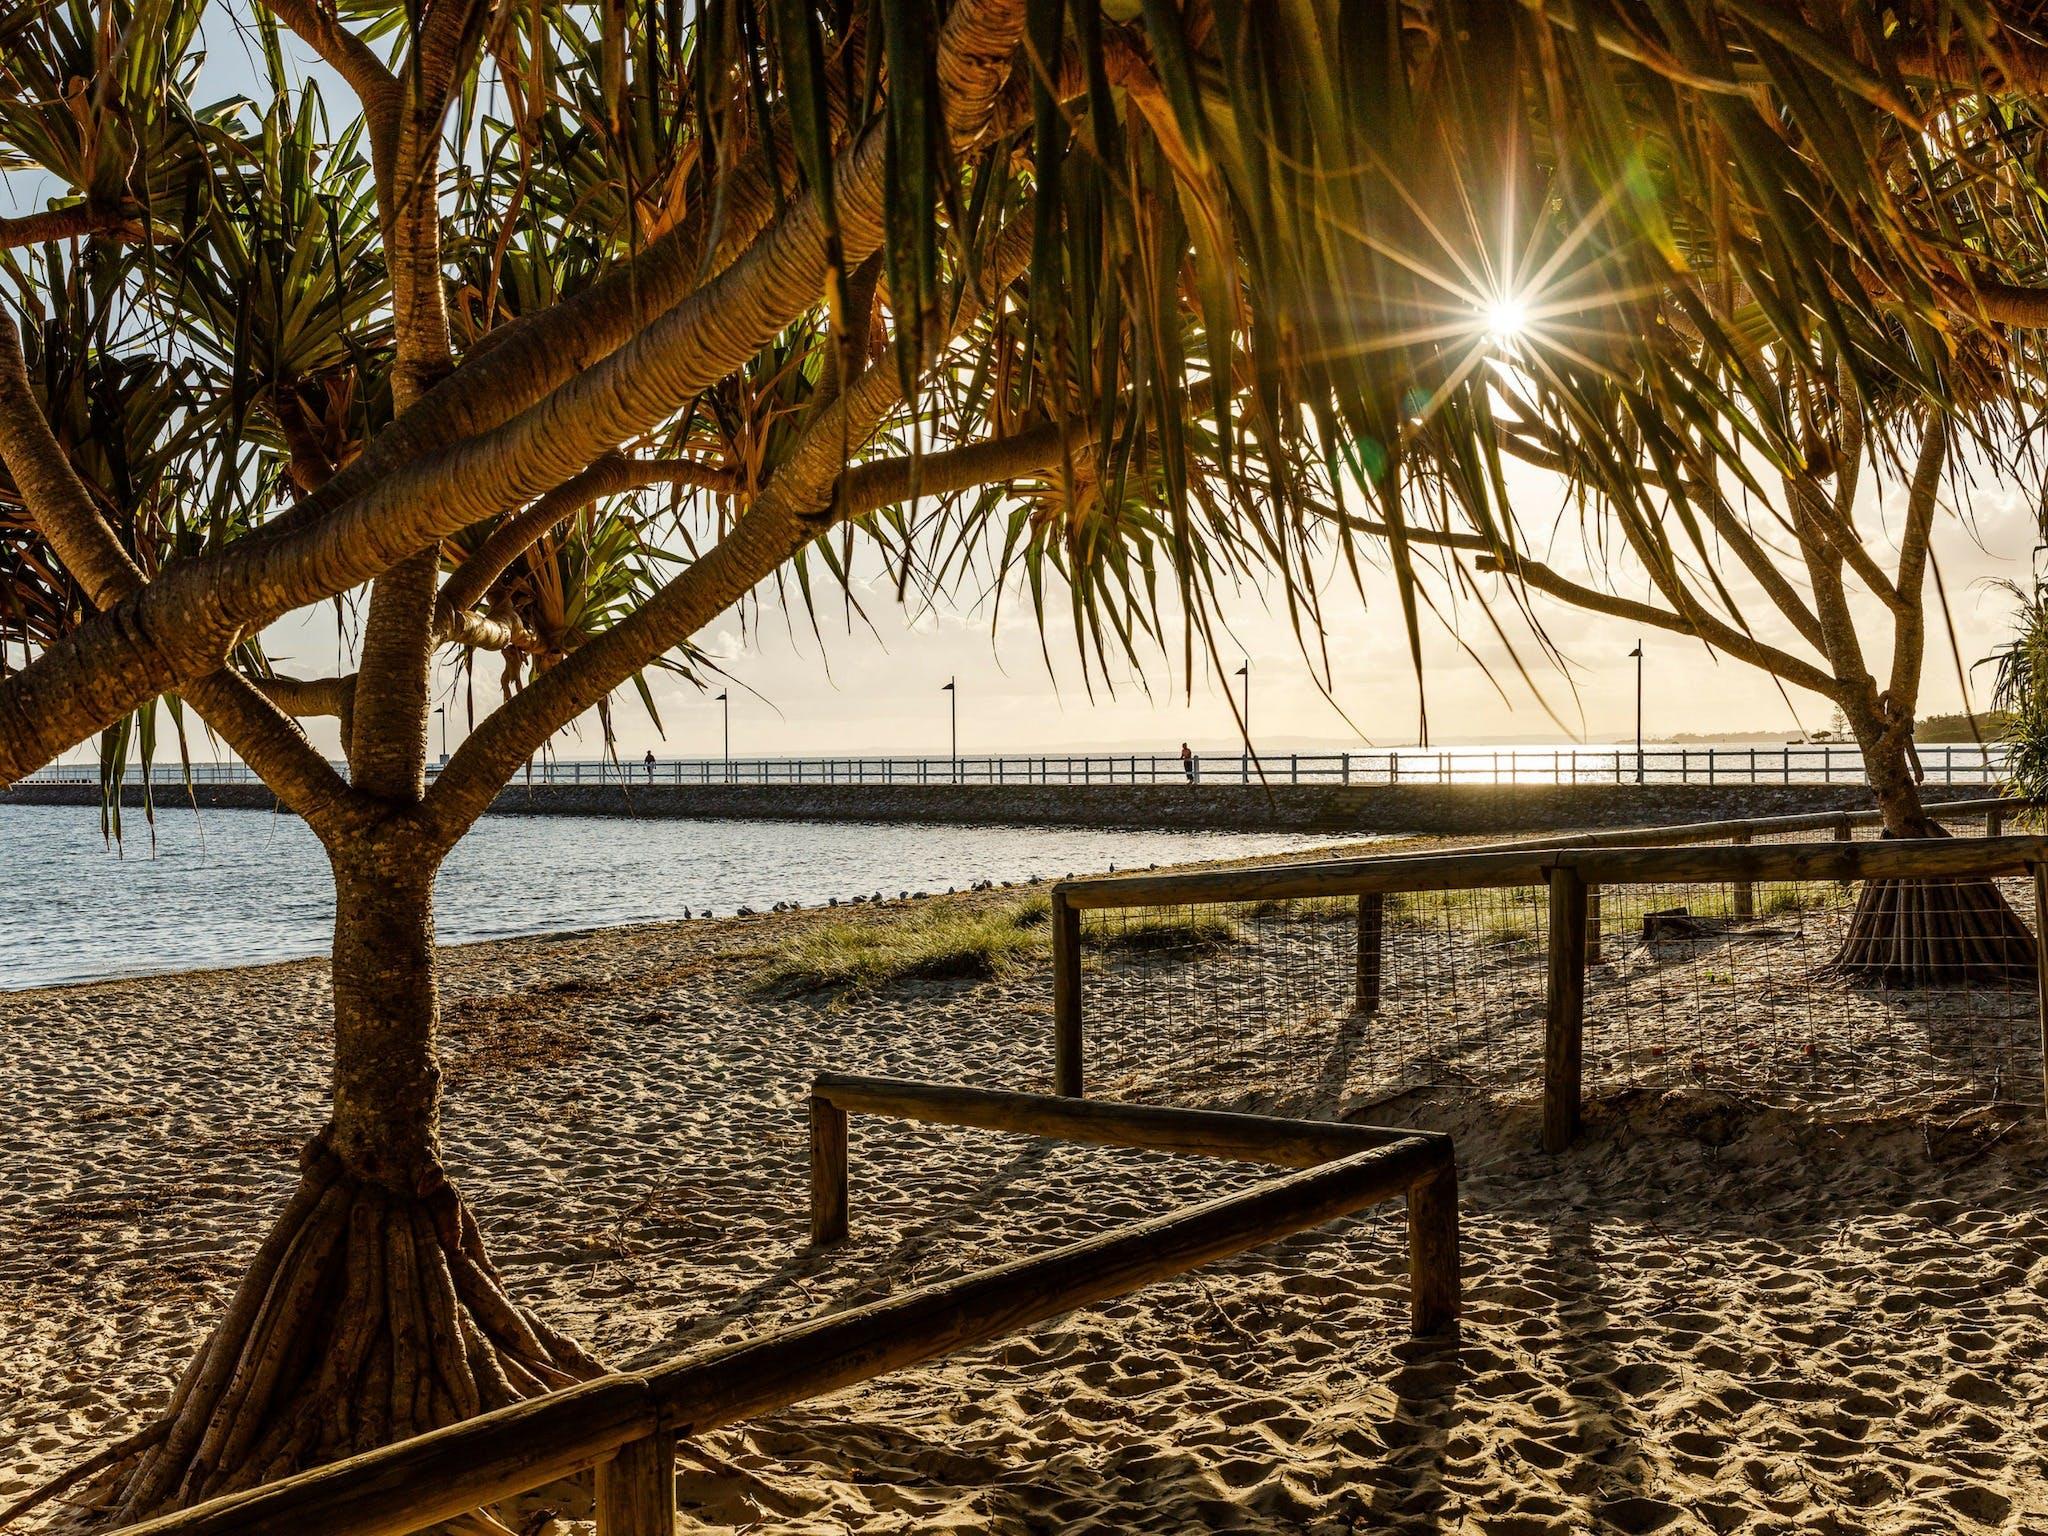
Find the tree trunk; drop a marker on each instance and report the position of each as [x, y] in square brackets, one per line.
[372, 1311]
[1947, 931]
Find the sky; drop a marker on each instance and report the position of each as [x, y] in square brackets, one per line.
[873, 685]
[876, 688]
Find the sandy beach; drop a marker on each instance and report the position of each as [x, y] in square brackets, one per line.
[1713, 1316]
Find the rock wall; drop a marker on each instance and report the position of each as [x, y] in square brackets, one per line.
[227, 797]
[1217, 807]
[1455, 808]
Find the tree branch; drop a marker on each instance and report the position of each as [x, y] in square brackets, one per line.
[307, 696]
[186, 621]
[63, 511]
[867, 488]
[1910, 637]
[70, 223]
[387, 746]
[485, 631]
[2024, 308]
[528, 359]
[1700, 626]
[1758, 562]
[1435, 538]
[780, 521]
[57, 500]
[271, 743]
[756, 547]
[376, 88]
[612, 475]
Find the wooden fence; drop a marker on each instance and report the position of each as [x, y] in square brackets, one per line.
[626, 1426]
[1432, 1195]
[1573, 875]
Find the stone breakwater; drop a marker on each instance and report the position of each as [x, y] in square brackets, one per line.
[1419, 808]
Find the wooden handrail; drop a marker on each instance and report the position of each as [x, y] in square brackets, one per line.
[1199, 1132]
[1328, 877]
[1433, 1266]
[751, 1378]
[436, 1476]
[628, 1419]
[1098, 891]
[1684, 832]
[1888, 859]
[1899, 859]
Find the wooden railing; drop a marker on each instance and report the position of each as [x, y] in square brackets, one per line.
[1574, 875]
[1996, 811]
[626, 1426]
[1833, 763]
[1425, 1158]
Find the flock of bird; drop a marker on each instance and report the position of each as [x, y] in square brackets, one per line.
[867, 901]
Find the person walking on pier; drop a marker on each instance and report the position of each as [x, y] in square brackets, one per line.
[1189, 764]
[650, 765]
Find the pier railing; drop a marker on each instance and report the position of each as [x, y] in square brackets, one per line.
[1707, 966]
[626, 1426]
[1790, 764]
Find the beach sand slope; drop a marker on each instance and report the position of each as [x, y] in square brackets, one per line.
[1712, 1317]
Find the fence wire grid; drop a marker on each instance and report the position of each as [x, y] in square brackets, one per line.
[1713, 985]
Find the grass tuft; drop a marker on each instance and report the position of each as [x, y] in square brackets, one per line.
[947, 942]
[1150, 928]
[941, 942]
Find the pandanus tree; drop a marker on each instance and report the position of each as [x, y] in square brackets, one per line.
[1848, 198]
[605, 316]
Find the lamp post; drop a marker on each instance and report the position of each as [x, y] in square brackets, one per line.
[1637, 653]
[442, 712]
[952, 692]
[1245, 672]
[725, 699]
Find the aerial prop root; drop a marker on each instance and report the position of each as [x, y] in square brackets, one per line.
[1943, 931]
[367, 1315]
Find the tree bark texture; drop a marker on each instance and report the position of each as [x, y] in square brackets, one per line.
[1951, 931]
[372, 1311]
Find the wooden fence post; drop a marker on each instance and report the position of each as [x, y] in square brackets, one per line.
[1742, 893]
[1434, 1286]
[1592, 925]
[1994, 822]
[1564, 1017]
[1066, 997]
[1372, 922]
[828, 1172]
[636, 1489]
[2041, 971]
[1845, 830]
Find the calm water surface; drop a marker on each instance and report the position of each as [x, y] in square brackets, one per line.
[239, 887]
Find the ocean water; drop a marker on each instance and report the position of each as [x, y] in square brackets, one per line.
[240, 887]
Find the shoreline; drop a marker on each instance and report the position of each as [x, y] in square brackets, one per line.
[229, 888]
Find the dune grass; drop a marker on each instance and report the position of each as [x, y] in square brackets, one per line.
[948, 941]
[1155, 928]
[1318, 909]
[936, 942]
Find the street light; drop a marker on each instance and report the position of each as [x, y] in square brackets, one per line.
[726, 700]
[1245, 672]
[952, 689]
[1637, 653]
[442, 711]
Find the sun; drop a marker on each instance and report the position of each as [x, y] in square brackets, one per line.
[1506, 319]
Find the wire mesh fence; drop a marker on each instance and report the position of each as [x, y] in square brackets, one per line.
[1736, 986]
[1263, 999]
[1731, 985]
